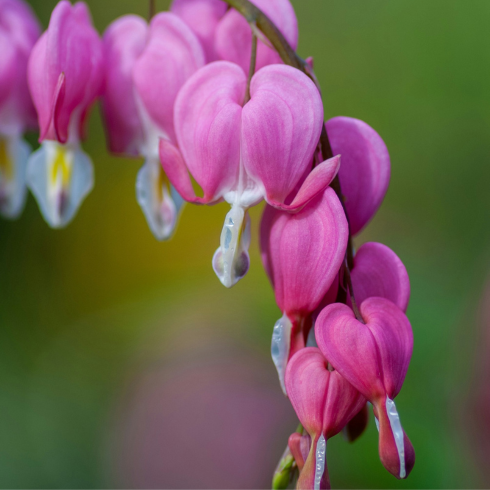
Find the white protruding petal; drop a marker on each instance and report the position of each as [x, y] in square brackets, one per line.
[14, 153]
[281, 343]
[396, 428]
[231, 260]
[160, 202]
[321, 447]
[59, 176]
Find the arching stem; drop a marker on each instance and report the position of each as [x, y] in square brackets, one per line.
[152, 9]
[253, 62]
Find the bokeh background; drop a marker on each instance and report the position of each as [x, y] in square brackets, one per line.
[124, 362]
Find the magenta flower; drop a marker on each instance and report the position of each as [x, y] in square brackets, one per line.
[65, 76]
[379, 272]
[302, 254]
[19, 30]
[365, 171]
[324, 402]
[245, 152]
[234, 36]
[145, 69]
[202, 16]
[374, 357]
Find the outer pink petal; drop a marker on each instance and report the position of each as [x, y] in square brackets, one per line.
[299, 445]
[234, 35]
[379, 272]
[72, 47]
[365, 172]
[172, 55]
[202, 16]
[281, 126]
[207, 123]
[351, 348]
[177, 172]
[8, 68]
[315, 183]
[305, 251]
[124, 40]
[19, 30]
[307, 379]
[394, 339]
[342, 403]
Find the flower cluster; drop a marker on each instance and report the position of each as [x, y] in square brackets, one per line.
[203, 97]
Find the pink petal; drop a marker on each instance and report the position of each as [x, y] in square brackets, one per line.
[207, 123]
[394, 339]
[357, 425]
[234, 35]
[8, 67]
[172, 55]
[177, 173]
[303, 252]
[281, 126]
[299, 445]
[307, 379]
[70, 46]
[202, 16]
[124, 41]
[351, 348]
[342, 403]
[374, 356]
[316, 182]
[365, 172]
[379, 272]
[19, 31]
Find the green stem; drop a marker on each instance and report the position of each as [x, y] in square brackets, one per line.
[253, 62]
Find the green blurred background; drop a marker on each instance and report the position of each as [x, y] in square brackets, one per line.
[125, 363]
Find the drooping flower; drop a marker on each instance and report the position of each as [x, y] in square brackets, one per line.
[302, 254]
[65, 76]
[324, 402]
[234, 36]
[374, 357]
[146, 67]
[379, 272]
[245, 152]
[19, 30]
[365, 171]
[202, 16]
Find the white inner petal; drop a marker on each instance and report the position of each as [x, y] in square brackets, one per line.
[321, 447]
[396, 428]
[60, 177]
[159, 201]
[231, 260]
[14, 153]
[281, 343]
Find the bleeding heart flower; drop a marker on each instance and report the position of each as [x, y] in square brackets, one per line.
[365, 172]
[202, 16]
[302, 254]
[379, 272]
[374, 357]
[234, 35]
[19, 31]
[146, 67]
[245, 152]
[324, 402]
[65, 76]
